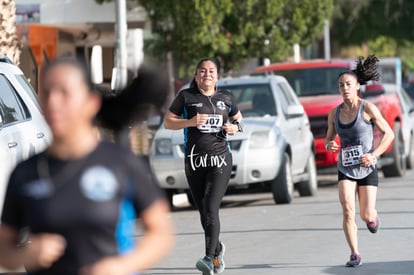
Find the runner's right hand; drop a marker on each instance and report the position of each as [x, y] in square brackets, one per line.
[42, 250]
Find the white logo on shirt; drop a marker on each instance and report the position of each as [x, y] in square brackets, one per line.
[198, 105]
[98, 183]
[220, 104]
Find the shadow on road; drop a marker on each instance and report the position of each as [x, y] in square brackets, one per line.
[379, 268]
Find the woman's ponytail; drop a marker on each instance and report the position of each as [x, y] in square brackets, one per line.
[366, 70]
[144, 95]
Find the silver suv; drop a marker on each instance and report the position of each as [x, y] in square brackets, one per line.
[275, 148]
[23, 130]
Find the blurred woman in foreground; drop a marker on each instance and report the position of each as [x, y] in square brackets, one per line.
[79, 199]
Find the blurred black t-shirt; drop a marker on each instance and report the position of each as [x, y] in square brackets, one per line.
[92, 202]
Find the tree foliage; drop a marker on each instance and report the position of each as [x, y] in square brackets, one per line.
[356, 21]
[384, 27]
[233, 31]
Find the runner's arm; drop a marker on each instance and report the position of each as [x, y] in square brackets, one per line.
[10, 255]
[235, 125]
[238, 116]
[382, 125]
[331, 132]
[175, 122]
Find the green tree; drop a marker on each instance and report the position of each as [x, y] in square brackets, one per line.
[362, 20]
[382, 26]
[233, 31]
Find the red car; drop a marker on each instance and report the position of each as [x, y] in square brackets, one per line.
[316, 84]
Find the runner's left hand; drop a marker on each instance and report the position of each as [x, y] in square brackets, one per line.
[230, 129]
[368, 160]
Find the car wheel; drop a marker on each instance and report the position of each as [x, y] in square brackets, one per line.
[398, 167]
[282, 185]
[309, 187]
[410, 157]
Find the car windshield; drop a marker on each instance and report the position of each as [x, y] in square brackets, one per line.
[253, 100]
[313, 81]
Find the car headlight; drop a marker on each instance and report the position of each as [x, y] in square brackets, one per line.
[262, 139]
[163, 146]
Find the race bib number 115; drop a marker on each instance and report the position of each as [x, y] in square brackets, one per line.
[212, 125]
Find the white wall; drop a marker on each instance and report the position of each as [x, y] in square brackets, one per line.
[80, 11]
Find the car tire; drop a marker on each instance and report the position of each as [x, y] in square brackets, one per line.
[398, 167]
[282, 185]
[310, 186]
[410, 157]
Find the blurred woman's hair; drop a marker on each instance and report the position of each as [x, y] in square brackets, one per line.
[144, 95]
[73, 62]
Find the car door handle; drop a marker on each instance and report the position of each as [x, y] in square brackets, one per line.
[40, 135]
[12, 144]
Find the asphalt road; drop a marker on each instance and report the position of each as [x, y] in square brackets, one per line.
[304, 237]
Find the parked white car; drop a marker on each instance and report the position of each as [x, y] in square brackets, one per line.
[275, 147]
[23, 130]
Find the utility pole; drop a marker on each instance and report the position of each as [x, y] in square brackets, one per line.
[120, 72]
[327, 41]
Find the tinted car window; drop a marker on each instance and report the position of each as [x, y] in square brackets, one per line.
[11, 105]
[253, 100]
[313, 81]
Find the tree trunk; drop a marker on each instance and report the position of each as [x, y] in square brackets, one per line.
[9, 42]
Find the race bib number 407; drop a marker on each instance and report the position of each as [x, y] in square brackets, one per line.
[212, 125]
[352, 155]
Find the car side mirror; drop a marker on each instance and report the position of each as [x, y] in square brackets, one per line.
[295, 110]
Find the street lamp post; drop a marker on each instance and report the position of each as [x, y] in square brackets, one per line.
[120, 72]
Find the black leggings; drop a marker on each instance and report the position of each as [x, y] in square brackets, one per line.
[208, 186]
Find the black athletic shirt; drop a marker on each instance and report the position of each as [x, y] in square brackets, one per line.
[92, 202]
[210, 140]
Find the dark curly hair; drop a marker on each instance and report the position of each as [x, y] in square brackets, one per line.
[365, 70]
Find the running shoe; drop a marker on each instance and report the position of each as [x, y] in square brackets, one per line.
[218, 260]
[205, 265]
[354, 261]
[374, 226]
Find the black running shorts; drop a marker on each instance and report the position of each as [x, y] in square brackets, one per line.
[370, 180]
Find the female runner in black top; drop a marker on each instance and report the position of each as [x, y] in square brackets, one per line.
[79, 199]
[203, 112]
